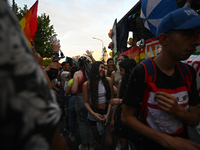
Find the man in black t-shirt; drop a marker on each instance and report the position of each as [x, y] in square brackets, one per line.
[171, 104]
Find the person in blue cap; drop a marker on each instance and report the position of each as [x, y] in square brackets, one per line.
[161, 98]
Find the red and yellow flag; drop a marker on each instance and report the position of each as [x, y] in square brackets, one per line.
[29, 23]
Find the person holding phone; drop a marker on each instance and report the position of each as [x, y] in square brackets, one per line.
[97, 92]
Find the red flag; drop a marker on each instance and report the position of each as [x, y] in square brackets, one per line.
[29, 23]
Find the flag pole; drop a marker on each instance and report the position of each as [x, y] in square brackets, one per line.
[13, 6]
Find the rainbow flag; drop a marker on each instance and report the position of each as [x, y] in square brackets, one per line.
[29, 23]
[148, 51]
[133, 53]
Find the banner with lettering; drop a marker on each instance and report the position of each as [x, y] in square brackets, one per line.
[150, 49]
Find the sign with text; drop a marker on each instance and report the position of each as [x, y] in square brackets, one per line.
[150, 49]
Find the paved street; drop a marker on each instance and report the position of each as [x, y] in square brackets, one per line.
[74, 145]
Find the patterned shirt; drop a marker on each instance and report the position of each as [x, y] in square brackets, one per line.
[28, 110]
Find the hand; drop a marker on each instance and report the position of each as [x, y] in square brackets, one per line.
[58, 84]
[38, 57]
[89, 54]
[115, 90]
[177, 143]
[98, 117]
[112, 125]
[33, 49]
[56, 46]
[105, 120]
[114, 101]
[168, 103]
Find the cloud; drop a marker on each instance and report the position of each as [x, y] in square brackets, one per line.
[77, 21]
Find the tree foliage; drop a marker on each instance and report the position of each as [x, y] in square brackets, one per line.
[19, 11]
[47, 62]
[43, 34]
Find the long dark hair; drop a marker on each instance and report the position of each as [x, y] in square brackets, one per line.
[125, 56]
[128, 65]
[72, 70]
[85, 66]
[94, 82]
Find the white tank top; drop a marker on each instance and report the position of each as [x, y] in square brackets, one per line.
[101, 98]
[101, 93]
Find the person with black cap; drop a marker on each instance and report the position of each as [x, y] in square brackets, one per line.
[162, 91]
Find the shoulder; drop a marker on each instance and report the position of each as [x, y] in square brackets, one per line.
[70, 82]
[193, 73]
[109, 79]
[77, 73]
[76, 77]
[139, 66]
[137, 75]
[191, 69]
[86, 85]
[138, 70]
[113, 73]
[65, 73]
[120, 81]
[119, 84]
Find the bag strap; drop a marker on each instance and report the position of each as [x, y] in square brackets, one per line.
[186, 75]
[150, 78]
[150, 70]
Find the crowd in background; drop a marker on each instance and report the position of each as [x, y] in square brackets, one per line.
[89, 97]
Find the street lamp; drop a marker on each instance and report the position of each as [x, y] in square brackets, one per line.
[102, 46]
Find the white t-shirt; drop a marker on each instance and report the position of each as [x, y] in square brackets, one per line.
[194, 60]
[65, 79]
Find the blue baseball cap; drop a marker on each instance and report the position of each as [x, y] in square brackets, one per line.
[180, 19]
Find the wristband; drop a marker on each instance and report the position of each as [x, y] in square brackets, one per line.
[55, 56]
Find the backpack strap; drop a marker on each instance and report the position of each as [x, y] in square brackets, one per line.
[186, 75]
[150, 78]
[150, 70]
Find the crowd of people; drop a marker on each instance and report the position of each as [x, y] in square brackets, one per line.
[144, 106]
[91, 100]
